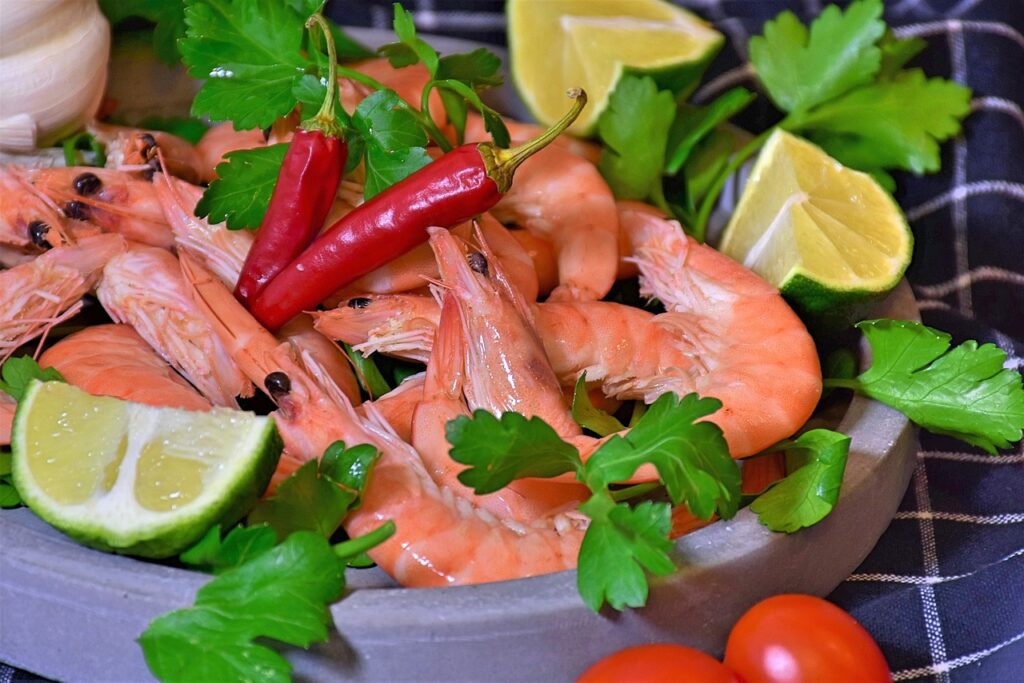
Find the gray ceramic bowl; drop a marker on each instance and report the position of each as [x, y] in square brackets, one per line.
[73, 614]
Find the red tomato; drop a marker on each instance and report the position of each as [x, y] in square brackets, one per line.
[662, 663]
[800, 639]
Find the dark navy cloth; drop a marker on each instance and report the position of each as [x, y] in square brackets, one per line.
[943, 591]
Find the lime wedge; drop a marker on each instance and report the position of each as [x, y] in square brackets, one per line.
[133, 478]
[559, 44]
[830, 238]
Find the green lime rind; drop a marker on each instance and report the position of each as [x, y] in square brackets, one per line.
[234, 494]
[826, 308]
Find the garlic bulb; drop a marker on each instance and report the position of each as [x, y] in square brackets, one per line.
[53, 69]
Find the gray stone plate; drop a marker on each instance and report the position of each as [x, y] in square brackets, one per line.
[73, 614]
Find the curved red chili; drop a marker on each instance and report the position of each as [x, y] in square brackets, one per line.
[304, 193]
[461, 184]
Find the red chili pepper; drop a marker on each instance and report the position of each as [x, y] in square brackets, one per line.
[305, 190]
[461, 184]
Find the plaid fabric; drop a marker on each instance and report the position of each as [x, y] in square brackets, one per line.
[943, 591]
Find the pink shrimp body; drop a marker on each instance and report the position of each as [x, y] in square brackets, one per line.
[221, 250]
[37, 294]
[517, 130]
[438, 541]
[563, 198]
[318, 350]
[507, 370]
[750, 350]
[121, 203]
[20, 206]
[144, 288]
[7, 408]
[113, 360]
[398, 405]
[220, 139]
[525, 500]
[401, 324]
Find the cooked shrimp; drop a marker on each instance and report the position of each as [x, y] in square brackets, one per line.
[40, 293]
[113, 360]
[438, 541]
[27, 219]
[563, 198]
[136, 149]
[749, 349]
[221, 250]
[507, 370]
[220, 139]
[317, 349]
[402, 325]
[398, 405]
[115, 201]
[144, 287]
[517, 130]
[524, 500]
[7, 408]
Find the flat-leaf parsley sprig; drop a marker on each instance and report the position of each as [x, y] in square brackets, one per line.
[623, 540]
[275, 579]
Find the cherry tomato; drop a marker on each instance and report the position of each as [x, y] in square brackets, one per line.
[800, 639]
[661, 663]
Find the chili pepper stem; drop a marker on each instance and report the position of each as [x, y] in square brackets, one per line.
[325, 120]
[501, 164]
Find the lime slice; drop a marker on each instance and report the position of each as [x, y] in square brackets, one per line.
[830, 238]
[559, 44]
[133, 478]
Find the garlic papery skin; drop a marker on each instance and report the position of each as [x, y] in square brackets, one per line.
[53, 69]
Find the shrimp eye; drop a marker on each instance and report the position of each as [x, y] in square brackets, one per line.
[76, 210]
[153, 167]
[86, 184]
[277, 383]
[37, 233]
[478, 262]
[358, 302]
[148, 141]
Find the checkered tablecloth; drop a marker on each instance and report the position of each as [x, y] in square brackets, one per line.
[943, 591]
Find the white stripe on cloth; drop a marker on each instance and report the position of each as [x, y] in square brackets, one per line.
[926, 580]
[942, 669]
[932, 28]
[966, 279]
[999, 104]
[972, 458]
[724, 80]
[957, 55]
[932, 622]
[1002, 187]
[1006, 518]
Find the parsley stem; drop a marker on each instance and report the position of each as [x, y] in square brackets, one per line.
[357, 546]
[700, 228]
[839, 383]
[620, 495]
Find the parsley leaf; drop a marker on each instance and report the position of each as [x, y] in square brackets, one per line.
[167, 15]
[890, 124]
[620, 543]
[240, 545]
[245, 181]
[250, 54]
[216, 639]
[477, 68]
[318, 495]
[634, 153]
[395, 142]
[512, 447]
[589, 416]
[410, 48]
[897, 52]
[807, 494]
[694, 124]
[9, 496]
[691, 457]
[964, 392]
[802, 69]
[17, 373]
